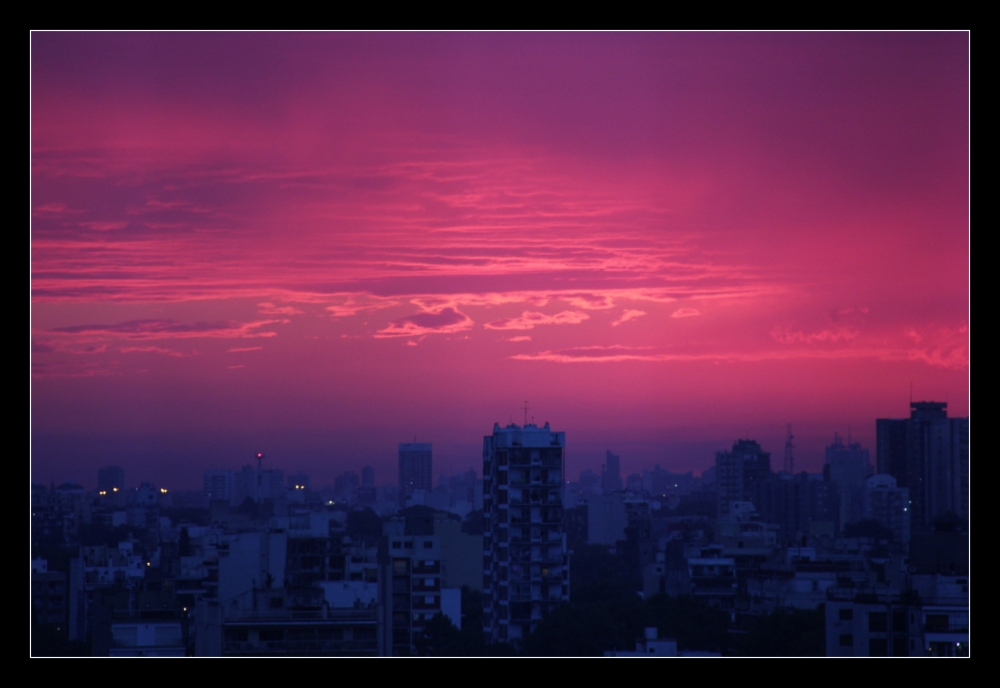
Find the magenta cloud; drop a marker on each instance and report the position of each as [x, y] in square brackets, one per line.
[529, 320]
[629, 314]
[444, 321]
[172, 329]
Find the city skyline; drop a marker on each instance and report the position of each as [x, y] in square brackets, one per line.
[320, 246]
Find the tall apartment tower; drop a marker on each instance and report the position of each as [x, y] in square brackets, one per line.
[927, 453]
[848, 466]
[220, 485]
[525, 560]
[740, 474]
[415, 470]
[611, 474]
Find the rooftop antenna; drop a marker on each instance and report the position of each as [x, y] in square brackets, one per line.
[525, 413]
[789, 458]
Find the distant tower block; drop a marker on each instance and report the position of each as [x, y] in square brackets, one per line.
[611, 476]
[415, 470]
[789, 447]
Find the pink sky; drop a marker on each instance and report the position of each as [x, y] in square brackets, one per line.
[321, 245]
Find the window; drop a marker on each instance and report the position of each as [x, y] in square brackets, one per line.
[846, 640]
[877, 622]
[428, 544]
[937, 622]
[878, 647]
[269, 635]
[846, 614]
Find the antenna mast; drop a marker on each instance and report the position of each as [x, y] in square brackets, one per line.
[525, 414]
[789, 458]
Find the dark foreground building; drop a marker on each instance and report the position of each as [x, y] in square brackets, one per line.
[525, 561]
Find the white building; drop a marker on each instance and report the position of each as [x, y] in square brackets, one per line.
[525, 561]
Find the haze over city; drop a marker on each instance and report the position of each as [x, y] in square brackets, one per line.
[319, 246]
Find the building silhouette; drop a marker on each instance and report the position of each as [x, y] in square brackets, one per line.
[848, 466]
[611, 474]
[927, 453]
[415, 469]
[220, 485]
[740, 474]
[888, 504]
[525, 561]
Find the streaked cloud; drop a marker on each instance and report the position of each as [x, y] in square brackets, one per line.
[153, 350]
[444, 321]
[629, 314]
[946, 347]
[172, 329]
[685, 313]
[833, 334]
[529, 320]
[104, 226]
[268, 308]
[588, 301]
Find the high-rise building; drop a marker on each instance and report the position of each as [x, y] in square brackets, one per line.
[220, 486]
[927, 453]
[740, 474]
[611, 475]
[366, 493]
[525, 560]
[368, 477]
[258, 484]
[415, 470]
[848, 466]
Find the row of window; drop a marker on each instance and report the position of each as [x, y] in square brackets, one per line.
[408, 544]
